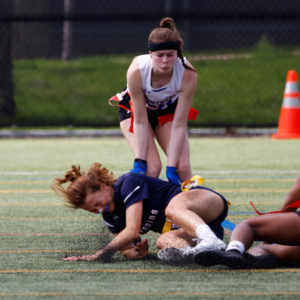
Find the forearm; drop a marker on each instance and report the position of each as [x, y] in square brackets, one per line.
[292, 196]
[130, 253]
[140, 139]
[123, 239]
[177, 138]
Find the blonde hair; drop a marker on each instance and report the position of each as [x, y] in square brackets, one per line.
[168, 33]
[81, 184]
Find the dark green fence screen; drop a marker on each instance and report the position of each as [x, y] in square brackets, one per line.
[61, 60]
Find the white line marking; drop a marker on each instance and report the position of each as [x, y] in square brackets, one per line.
[23, 173]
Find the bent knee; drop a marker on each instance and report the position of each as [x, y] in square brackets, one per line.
[154, 169]
[170, 212]
[250, 226]
[160, 243]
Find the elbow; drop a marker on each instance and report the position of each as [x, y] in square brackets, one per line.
[135, 236]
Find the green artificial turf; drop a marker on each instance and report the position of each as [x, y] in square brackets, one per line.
[36, 228]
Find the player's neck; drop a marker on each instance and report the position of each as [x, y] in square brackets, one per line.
[159, 79]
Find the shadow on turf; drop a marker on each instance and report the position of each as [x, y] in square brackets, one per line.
[88, 244]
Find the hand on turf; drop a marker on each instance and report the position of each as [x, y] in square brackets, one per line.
[81, 258]
[142, 248]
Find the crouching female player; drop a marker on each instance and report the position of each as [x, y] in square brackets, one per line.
[161, 87]
[135, 204]
[279, 231]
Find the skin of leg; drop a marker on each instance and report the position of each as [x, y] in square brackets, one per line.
[175, 238]
[283, 228]
[163, 134]
[153, 159]
[282, 252]
[193, 208]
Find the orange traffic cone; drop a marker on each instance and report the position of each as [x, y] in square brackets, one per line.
[289, 121]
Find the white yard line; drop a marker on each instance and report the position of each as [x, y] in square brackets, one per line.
[23, 173]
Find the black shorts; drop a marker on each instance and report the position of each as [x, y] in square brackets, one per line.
[216, 225]
[152, 114]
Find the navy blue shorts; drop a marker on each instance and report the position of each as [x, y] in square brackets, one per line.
[216, 225]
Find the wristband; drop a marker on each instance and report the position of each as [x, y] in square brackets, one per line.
[172, 170]
[140, 161]
[138, 240]
[139, 166]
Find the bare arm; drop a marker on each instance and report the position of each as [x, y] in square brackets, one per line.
[139, 251]
[179, 127]
[140, 125]
[293, 195]
[123, 239]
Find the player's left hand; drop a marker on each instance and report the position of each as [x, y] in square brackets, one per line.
[172, 175]
[142, 248]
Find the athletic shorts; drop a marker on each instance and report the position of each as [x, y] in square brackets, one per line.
[152, 114]
[216, 225]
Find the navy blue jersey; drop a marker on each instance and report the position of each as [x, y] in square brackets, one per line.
[155, 194]
[132, 188]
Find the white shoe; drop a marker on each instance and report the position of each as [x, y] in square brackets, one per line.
[176, 255]
[209, 244]
[187, 253]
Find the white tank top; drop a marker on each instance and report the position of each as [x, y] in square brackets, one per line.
[163, 97]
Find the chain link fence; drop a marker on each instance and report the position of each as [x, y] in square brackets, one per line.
[61, 60]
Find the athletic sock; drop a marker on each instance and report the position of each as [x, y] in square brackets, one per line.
[236, 246]
[204, 232]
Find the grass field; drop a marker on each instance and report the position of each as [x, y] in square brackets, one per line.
[37, 231]
[238, 90]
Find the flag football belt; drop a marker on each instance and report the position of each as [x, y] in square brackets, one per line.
[161, 120]
[294, 204]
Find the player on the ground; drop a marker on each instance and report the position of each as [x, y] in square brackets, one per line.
[161, 88]
[133, 204]
[279, 231]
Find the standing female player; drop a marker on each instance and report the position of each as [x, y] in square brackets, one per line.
[135, 204]
[159, 84]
